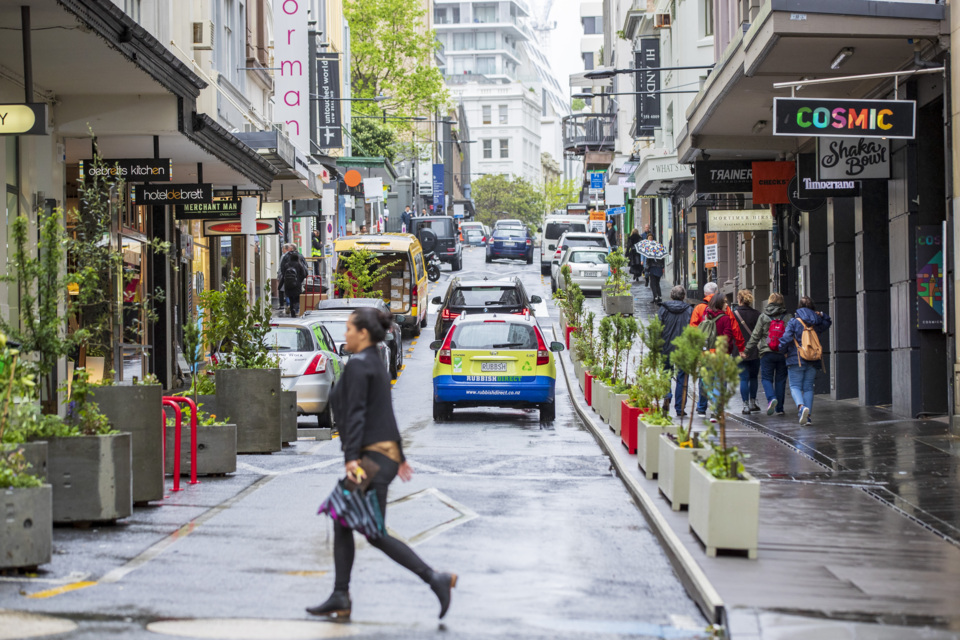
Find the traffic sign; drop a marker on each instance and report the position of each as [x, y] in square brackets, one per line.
[597, 180]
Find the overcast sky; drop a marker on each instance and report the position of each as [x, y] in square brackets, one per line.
[564, 50]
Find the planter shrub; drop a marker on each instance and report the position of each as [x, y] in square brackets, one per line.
[673, 477]
[725, 514]
[648, 446]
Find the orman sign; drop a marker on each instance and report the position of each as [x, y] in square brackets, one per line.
[848, 118]
[23, 119]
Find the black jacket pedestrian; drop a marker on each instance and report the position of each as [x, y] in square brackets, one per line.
[363, 405]
[292, 259]
[747, 318]
[612, 237]
[634, 257]
[675, 316]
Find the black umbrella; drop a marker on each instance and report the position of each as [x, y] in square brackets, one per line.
[358, 510]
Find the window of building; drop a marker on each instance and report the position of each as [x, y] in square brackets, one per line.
[487, 149]
[588, 61]
[464, 41]
[462, 65]
[504, 147]
[487, 114]
[484, 13]
[592, 25]
[707, 18]
[456, 15]
[486, 65]
[440, 16]
[503, 114]
[132, 9]
[486, 40]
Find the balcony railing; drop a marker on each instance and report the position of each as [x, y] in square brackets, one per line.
[589, 132]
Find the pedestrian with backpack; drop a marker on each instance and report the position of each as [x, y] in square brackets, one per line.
[800, 345]
[747, 318]
[675, 316]
[293, 271]
[696, 318]
[765, 338]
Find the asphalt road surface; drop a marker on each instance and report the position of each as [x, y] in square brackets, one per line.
[544, 537]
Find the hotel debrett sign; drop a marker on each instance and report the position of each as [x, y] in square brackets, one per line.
[844, 118]
[192, 193]
[129, 169]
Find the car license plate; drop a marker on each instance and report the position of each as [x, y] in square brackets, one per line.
[509, 244]
[486, 367]
[591, 274]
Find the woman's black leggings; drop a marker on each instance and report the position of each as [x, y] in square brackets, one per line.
[343, 547]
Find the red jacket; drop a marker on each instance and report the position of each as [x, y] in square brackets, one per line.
[726, 327]
[697, 318]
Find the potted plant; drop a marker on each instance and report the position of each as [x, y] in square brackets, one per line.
[26, 530]
[724, 498]
[603, 370]
[216, 443]
[678, 450]
[583, 350]
[687, 356]
[624, 332]
[654, 384]
[247, 373]
[616, 292]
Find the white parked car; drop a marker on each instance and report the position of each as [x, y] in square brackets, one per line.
[552, 230]
[574, 239]
[588, 268]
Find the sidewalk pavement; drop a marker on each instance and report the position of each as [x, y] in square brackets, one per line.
[859, 524]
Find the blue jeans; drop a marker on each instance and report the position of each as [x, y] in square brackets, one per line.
[748, 380]
[701, 399]
[681, 379]
[773, 374]
[801, 384]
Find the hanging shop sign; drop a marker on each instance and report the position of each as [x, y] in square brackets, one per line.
[328, 90]
[218, 209]
[130, 169]
[265, 227]
[26, 119]
[771, 181]
[929, 277]
[846, 118]
[723, 176]
[711, 250]
[853, 158]
[190, 193]
[809, 186]
[291, 26]
[647, 82]
[740, 220]
[438, 188]
[803, 204]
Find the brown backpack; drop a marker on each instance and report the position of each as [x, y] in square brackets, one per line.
[809, 348]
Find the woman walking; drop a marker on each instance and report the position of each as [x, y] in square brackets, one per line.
[636, 260]
[801, 346]
[368, 429]
[717, 312]
[653, 268]
[766, 340]
[749, 365]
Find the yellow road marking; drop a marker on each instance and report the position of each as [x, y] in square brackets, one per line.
[49, 593]
[306, 574]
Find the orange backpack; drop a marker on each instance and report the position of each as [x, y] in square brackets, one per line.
[809, 348]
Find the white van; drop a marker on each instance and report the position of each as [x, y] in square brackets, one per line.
[553, 228]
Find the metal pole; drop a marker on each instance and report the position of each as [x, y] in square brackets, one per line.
[867, 76]
[27, 56]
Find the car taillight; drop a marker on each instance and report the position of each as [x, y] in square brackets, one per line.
[543, 355]
[414, 292]
[444, 354]
[446, 314]
[529, 241]
[451, 249]
[319, 365]
[557, 254]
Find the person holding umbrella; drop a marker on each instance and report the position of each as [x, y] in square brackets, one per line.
[653, 253]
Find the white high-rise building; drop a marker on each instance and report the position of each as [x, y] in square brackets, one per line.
[486, 53]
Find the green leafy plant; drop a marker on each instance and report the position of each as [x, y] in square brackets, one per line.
[687, 356]
[204, 418]
[148, 379]
[721, 377]
[15, 471]
[618, 283]
[83, 414]
[192, 345]
[237, 328]
[583, 341]
[359, 272]
[603, 360]
[625, 330]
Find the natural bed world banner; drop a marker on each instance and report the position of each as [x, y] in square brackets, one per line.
[822, 117]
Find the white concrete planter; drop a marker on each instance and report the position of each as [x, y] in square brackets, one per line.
[673, 477]
[616, 412]
[617, 304]
[725, 514]
[26, 528]
[603, 401]
[582, 377]
[595, 395]
[648, 446]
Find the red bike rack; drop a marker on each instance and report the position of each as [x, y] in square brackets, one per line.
[176, 440]
[172, 401]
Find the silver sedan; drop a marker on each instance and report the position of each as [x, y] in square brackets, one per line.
[588, 268]
[309, 364]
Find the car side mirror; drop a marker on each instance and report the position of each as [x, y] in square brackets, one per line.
[539, 230]
[556, 346]
[399, 319]
[388, 337]
[535, 299]
[436, 300]
[435, 345]
[343, 350]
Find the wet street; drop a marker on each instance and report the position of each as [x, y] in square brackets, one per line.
[545, 538]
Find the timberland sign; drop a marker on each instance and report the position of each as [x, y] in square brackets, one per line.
[192, 193]
[819, 117]
[23, 119]
[130, 169]
[723, 176]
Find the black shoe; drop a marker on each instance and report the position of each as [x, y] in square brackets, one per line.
[682, 414]
[442, 584]
[337, 607]
[753, 405]
[746, 410]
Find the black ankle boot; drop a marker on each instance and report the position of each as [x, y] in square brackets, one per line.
[442, 584]
[337, 607]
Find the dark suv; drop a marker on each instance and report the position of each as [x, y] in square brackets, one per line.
[506, 295]
[439, 234]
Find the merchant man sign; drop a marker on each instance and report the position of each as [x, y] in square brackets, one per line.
[848, 118]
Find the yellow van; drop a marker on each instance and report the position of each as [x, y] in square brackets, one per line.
[405, 287]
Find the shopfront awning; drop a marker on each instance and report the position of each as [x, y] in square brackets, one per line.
[656, 173]
[732, 116]
[297, 175]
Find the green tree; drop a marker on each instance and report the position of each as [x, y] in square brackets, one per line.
[498, 196]
[360, 271]
[721, 377]
[372, 139]
[557, 194]
[687, 356]
[578, 104]
[392, 55]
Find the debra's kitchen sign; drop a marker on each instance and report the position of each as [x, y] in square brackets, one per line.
[131, 170]
[853, 158]
[23, 119]
[723, 176]
[219, 209]
[191, 193]
[847, 118]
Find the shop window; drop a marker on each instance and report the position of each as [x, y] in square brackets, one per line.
[11, 302]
